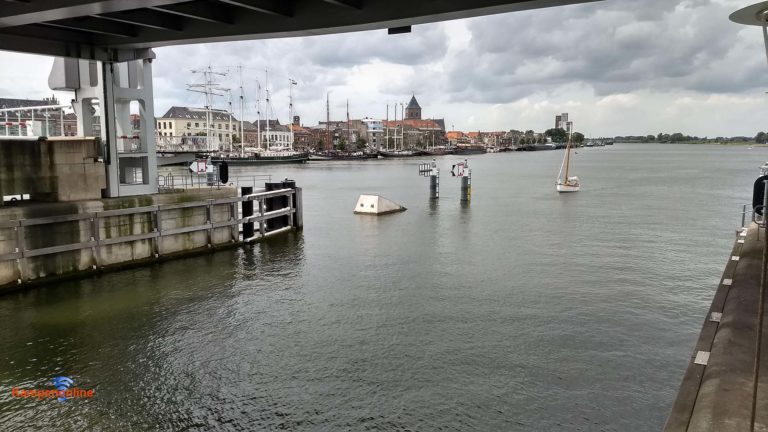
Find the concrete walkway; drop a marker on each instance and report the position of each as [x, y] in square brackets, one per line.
[718, 392]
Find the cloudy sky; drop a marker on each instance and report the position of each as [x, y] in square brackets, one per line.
[619, 67]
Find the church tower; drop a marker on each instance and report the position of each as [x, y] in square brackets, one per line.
[413, 110]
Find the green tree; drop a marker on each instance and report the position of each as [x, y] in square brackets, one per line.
[558, 135]
[650, 138]
[677, 137]
[761, 138]
[341, 144]
[578, 137]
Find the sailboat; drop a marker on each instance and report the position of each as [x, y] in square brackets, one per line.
[566, 183]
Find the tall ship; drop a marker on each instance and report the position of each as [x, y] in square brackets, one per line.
[272, 147]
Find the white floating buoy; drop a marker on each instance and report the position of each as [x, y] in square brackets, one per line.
[376, 205]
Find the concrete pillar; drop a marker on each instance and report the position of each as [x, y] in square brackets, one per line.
[132, 165]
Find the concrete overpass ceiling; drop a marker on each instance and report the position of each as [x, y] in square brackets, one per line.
[756, 14]
[118, 30]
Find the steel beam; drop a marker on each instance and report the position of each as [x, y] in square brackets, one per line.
[93, 25]
[18, 13]
[202, 11]
[146, 18]
[282, 8]
[354, 4]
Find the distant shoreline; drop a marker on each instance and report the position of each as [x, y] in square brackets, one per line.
[732, 144]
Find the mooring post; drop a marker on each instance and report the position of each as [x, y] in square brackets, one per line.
[247, 211]
[434, 181]
[433, 172]
[462, 170]
[298, 220]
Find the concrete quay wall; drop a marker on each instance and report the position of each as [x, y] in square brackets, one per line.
[98, 225]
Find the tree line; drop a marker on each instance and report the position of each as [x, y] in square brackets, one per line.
[560, 135]
[678, 137]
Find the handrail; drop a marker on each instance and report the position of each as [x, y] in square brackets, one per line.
[171, 181]
[755, 216]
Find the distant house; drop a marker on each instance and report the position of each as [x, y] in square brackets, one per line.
[185, 121]
[302, 137]
[277, 137]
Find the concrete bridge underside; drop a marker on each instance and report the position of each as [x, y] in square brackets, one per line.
[121, 30]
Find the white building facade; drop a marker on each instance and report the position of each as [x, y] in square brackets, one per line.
[183, 121]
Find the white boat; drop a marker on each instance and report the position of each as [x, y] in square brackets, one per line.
[565, 182]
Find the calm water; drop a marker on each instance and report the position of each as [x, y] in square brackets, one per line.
[524, 311]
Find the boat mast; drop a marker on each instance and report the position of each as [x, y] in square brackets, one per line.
[209, 88]
[387, 127]
[258, 114]
[402, 126]
[568, 151]
[231, 134]
[395, 146]
[349, 137]
[242, 110]
[291, 83]
[328, 120]
[266, 90]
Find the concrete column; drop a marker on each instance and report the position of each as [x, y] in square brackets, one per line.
[114, 86]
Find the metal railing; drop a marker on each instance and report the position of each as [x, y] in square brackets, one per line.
[174, 182]
[186, 144]
[754, 216]
[132, 144]
[156, 232]
[33, 121]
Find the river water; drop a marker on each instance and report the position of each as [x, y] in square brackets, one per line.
[522, 311]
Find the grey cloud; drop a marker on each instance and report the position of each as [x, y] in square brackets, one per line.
[424, 45]
[616, 46]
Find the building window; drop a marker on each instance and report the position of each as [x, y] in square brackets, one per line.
[219, 125]
[197, 125]
[189, 124]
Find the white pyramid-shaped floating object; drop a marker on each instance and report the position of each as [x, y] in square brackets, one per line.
[376, 205]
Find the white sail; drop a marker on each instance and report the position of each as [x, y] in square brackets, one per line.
[566, 182]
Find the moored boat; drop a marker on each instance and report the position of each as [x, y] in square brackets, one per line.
[401, 153]
[262, 158]
[438, 151]
[469, 149]
[341, 156]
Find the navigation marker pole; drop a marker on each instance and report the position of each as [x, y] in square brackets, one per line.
[462, 170]
[433, 172]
